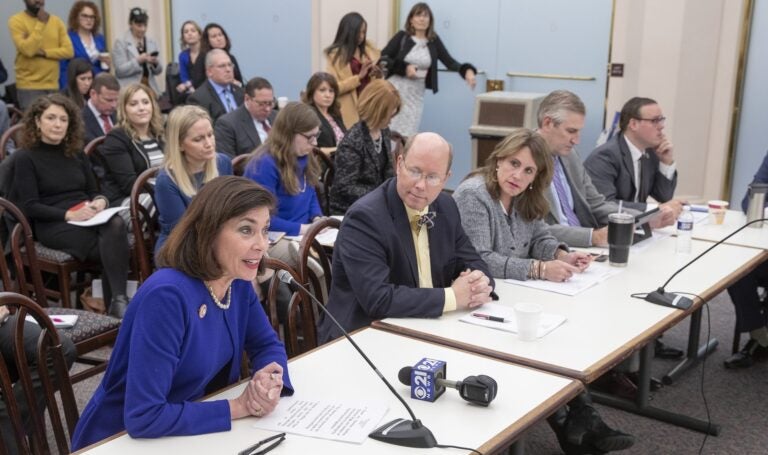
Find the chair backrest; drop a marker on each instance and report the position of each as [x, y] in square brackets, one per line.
[52, 372]
[299, 329]
[309, 246]
[91, 150]
[239, 162]
[398, 145]
[15, 113]
[14, 133]
[328, 170]
[145, 223]
[22, 243]
[92, 147]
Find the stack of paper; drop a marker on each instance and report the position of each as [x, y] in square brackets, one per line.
[596, 273]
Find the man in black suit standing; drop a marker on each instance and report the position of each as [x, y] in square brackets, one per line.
[99, 112]
[247, 127]
[401, 251]
[639, 161]
[218, 94]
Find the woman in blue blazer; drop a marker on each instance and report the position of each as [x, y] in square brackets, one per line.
[186, 329]
[88, 43]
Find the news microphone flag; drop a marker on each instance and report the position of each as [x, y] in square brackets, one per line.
[424, 376]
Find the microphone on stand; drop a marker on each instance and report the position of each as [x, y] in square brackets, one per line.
[672, 300]
[401, 432]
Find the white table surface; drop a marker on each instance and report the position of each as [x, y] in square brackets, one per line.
[524, 397]
[734, 219]
[604, 324]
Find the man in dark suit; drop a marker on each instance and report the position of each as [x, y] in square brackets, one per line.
[401, 251]
[638, 162]
[99, 111]
[247, 127]
[218, 94]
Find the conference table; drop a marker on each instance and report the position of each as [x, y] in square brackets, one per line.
[604, 325]
[750, 236]
[525, 397]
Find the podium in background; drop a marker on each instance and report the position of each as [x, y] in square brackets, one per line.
[496, 115]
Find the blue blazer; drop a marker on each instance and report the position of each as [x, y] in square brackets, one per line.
[77, 45]
[375, 274]
[167, 357]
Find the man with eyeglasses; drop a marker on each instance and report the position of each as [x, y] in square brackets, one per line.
[218, 94]
[401, 250]
[247, 127]
[637, 162]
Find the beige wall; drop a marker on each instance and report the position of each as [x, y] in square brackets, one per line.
[683, 54]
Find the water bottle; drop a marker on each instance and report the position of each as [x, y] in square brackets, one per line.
[684, 230]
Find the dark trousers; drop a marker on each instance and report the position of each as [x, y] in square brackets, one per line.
[31, 334]
[746, 300]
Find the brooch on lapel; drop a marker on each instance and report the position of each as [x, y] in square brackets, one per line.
[202, 311]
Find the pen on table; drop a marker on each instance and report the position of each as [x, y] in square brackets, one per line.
[488, 317]
[699, 208]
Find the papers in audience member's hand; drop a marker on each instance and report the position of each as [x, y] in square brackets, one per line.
[60, 321]
[547, 323]
[596, 273]
[100, 218]
[337, 420]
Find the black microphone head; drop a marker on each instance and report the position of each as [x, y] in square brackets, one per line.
[284, 276]
[405, 375]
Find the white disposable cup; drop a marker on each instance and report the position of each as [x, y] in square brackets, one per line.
[528, 316]
[282, 101]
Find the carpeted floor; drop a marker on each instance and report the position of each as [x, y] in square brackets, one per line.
[738, 401]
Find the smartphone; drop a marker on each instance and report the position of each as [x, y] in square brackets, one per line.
[154, 54]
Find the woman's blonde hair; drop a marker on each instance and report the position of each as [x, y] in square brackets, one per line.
[155, 124]
[180, 121]
[376, 103]
[295, 118]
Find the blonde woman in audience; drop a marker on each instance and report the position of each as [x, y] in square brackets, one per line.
[133, 146]
[364, 158]
[352, 61]
[191, 161]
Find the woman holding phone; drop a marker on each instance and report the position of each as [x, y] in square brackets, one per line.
[136, 57]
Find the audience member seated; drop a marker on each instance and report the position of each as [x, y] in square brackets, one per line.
[55, 185]
[191, 37]
[134, 146]
[7, 349]
[218, 94]
[191, 161]
[99, 111]
[214, 37]
[285, 166]
[502, 206]
[88, 44]
[189, 324]
[351, 59]
[321, 92]
[637, 162]
[243, 130]
[135, 56]
[80, 77]
[363, 159]
[387, 264]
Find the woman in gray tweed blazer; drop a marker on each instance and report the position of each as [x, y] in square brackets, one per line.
[502, 206]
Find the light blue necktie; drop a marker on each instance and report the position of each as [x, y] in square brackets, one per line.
[562, 188]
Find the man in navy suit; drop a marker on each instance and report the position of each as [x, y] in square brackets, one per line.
[247, 127]
[401, 250]
[218, 95]
[99, 112]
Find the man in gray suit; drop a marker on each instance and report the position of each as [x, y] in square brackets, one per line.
[639, 161]
[247, 127]
[578, 213]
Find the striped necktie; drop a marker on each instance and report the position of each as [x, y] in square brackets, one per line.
[230, 106]
[562, 188]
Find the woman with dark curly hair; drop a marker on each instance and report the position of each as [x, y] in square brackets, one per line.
[87, 42]
[214, 37]
[54, 185]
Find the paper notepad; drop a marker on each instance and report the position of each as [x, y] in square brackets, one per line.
[548, 322]
[100, 218]
[579, 282]
[60, 321]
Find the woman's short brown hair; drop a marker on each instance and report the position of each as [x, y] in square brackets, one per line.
[314, 83]
[74, 14]
[376, 103]
[30, 133]
[188, 248]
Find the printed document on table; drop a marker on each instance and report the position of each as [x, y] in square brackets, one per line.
[325, 238]
[547, 323]
[337, 420]
[579, 282]
[100, 218]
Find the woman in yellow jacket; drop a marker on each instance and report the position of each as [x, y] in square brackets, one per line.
[353, 61]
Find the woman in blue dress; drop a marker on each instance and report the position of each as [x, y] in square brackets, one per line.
[84, 22]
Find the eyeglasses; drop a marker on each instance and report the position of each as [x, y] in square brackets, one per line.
[416, 174]
[270, 103]
[224, 66]
[88, 16]
[310, 137]
[656, 120]
[252, 449]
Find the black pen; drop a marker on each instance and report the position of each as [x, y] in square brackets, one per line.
[250, 450]
[488, 317]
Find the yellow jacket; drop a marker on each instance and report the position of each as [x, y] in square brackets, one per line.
[30, 35]
[348, 84]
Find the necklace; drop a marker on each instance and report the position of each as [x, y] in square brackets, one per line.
[304, 187]
[216, 300]
[377, 143]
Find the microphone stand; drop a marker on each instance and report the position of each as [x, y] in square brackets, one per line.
[401, 432]
[670, 299]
